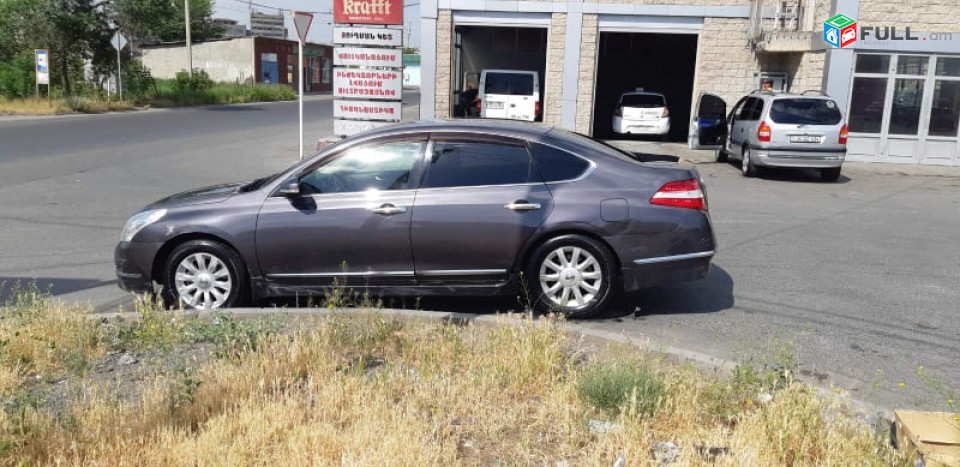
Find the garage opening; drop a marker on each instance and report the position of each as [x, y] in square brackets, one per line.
[662, 63]
[478, 48]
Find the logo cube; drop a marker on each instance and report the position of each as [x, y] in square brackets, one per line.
[840, 31]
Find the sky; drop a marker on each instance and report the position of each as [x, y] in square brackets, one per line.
[320, 30]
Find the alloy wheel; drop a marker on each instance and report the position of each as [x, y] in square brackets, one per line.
[571, 276]
[203, 281]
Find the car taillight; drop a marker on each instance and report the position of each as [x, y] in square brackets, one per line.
[666, 112]
[843, 134]
[618, 112]
[536, 108]
[680, 194]
[479, 106]
[763, 133]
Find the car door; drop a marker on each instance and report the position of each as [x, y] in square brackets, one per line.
[709, 127]
[742, 121]
[479, 201]
[350, 221]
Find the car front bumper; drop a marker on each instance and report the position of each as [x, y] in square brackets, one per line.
[641, 127]
[800, 159]
[133, 262]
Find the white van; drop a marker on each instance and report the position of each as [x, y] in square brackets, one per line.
[509, 94]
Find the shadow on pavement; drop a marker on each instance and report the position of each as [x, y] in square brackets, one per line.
[234, 108]
[789, 174]
[53, 285]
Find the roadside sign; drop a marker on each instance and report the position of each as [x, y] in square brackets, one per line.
[386, 12]
[367, 36]
[368, 57]
[301, 21]
[367, 84]
[367, 110]
[352, 127]
[118, 41]
[42, 58]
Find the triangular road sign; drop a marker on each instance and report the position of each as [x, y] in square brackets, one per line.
[301, 21]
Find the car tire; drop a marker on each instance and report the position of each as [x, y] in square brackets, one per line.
[746, 163]
[830, 175]
[213, 271]
[587, 272]
[721, 155]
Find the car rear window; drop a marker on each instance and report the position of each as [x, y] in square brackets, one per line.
[513, 84]
[805, 112]
[643, 101]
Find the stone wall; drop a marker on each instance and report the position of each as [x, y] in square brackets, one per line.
[919, 15]
[443, 87]
[589, 41]
[553, 85]
[726, 63]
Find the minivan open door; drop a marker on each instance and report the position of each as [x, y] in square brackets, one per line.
[708, 130]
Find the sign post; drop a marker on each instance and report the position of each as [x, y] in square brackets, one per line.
[367, 59]
[302, 22]
[42, 68]
[119, 42]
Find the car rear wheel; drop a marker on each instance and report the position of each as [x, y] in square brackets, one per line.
[572, 275]
[204, 275]
[830, 175]
[746, 163]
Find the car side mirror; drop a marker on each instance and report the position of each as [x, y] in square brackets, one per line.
[290, 188]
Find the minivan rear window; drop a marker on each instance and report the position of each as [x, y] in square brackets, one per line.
[805, 112]
[513, 84]
[643, 101]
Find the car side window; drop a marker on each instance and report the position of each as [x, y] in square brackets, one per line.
[556, 164]
[477, 163]
[757, 109]
[384, 166]
[746, 112]
[735, 112]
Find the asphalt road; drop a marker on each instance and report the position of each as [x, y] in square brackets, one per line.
[860, 275]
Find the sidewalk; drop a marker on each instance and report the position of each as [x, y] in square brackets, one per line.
[698, 156]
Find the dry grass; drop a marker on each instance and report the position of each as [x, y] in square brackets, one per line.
[365, 390]
[61, 106]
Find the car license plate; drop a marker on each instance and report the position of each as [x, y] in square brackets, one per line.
[496, 106]
[804, 139]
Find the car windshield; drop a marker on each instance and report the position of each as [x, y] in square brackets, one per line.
[514, 84]
[642, 101]
[805, 112]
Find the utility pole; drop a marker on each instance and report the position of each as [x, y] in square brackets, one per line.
[186, 15]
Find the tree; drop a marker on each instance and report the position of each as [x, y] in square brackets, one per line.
[78, 30]
[162, 20]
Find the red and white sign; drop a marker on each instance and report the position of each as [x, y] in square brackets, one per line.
[301, 21]
[377, 37]
[367, 84]
[369, 57]
[368, 11]
[367, 110]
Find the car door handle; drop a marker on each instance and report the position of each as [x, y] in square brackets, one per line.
[522, 205]
[388, 210]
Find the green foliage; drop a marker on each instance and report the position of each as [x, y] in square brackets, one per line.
[157, 328]
[198, 81]
[232, 337]
[621, 386]
[170, 94]
[164, 21]
[16, 77]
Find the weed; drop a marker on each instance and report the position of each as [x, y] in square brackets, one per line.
[233, 337]
[157, 328]
[613, 387]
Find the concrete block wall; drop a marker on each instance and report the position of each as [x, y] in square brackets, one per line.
[553, 85]
[919, 15]
[589, 43]
[225, 61]
[726, 63]
[443, 88]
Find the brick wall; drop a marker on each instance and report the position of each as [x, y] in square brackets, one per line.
[919, 15]
[589, 39]
[553, 87]
[727, 65]
[443, 89]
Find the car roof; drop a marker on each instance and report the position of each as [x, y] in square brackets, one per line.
[641, 93]
[788, 95]
[478, 126]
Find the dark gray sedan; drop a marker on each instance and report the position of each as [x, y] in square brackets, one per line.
[431, 208]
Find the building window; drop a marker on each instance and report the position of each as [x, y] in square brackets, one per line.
[866, 104]
[905, 109]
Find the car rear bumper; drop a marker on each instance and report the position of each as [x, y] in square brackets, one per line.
[641, 127]
[133, 262]
[797, 158]
[664, 270]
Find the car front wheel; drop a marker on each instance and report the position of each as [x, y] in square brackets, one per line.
[204, 275]
[746, 164]
[571, 275]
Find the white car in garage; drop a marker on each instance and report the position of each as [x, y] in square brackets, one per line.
[641, 113]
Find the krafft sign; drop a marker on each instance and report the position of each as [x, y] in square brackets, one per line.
[367, 84]
[363, 56]
[387, 12]
[367, 110]
[367, 36]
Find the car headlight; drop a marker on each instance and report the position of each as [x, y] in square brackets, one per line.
[139, 221]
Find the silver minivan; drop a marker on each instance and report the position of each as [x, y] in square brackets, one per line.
[772, 129]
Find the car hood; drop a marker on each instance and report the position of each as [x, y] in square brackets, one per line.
[206, 195]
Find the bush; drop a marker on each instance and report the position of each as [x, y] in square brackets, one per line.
[615, 387]
[174, 93]
[199, 81]
[16, 77]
